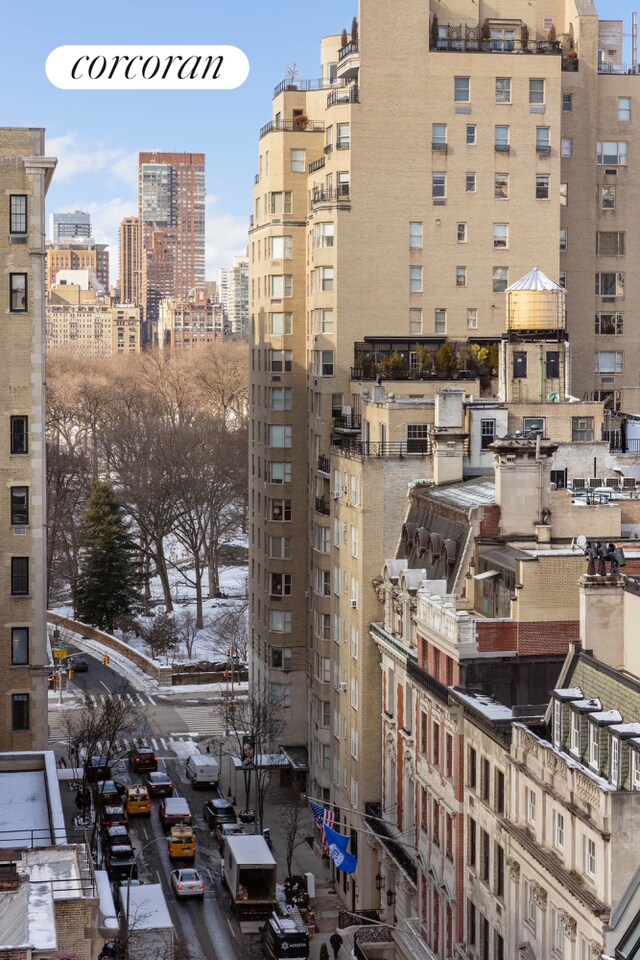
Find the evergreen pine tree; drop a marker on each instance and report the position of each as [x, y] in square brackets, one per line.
[108, 577]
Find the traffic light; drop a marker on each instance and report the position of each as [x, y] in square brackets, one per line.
[106, 661]
[70, 674]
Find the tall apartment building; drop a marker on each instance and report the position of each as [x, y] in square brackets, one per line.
[396, 200]
[130, 261]
[171, 196]
[78, 255]
[234, 295]
[69, 226]
[185, 324]
[25, 173]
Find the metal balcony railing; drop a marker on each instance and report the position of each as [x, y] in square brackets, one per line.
[305, 85]
[325, 195]
[349, 94]
[317, 164]
[322, 507]
[347, 421]
[391, 450]
[297, 125]
[346, 51]
[324, 464]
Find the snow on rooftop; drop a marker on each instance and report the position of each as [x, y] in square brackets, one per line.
[534, 280]
[588, 705]
[607, 716]
[469, 493]
[569, 693]
[24, 811]
[148, 908]
[489, 707]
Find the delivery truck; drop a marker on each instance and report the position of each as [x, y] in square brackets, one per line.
[203, 771]
[249, 872]
[147, 926]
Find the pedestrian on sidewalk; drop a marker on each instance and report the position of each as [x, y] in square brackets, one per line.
[336, 942]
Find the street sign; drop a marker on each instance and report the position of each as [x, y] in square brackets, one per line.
[60, 652]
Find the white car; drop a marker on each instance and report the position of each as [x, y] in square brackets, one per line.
[186, 882]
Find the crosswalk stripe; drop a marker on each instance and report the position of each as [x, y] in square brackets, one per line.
[163, 743]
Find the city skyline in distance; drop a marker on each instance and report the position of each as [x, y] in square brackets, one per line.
[97, 135]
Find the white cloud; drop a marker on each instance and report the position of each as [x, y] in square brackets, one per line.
[77, 155]
[226, 238]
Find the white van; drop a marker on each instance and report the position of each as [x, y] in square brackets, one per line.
[203, 770]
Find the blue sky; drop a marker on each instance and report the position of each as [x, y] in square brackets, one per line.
[97, 134]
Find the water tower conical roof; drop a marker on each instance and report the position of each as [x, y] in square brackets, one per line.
[534, 280]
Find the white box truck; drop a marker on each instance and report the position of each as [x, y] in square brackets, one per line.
[249, 872]
[203, 770]
[147, 925]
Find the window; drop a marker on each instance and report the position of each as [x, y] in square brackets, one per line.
[624, 109]
[500, 279]
[611, 152]
[531, 807]
[610, 284]
[635, 770]
[485, 779]
[344, 136]
[471, 135]
[324, 234]
[17, 213]
[575, 716]
[438, 136]
[281, 202]
[281, 248]
[279, 548]
[322, 542]
[325, 279]
[610, 243]
[415, 320]
[557, 934]
[567, 102]
[485, 846]
[502, 139]
[543, 139]
[503, 39]
[19, 646]
[503, 89]
[608, 196]
[609, 362]
[281, 324]
[280, 510]
[325, 368]
[415, 236]
[498, 792]
[536, 91]
[439, 186]
[501, 186]
[564, 239]
[542, 186]
[590, 857]
[280, 585]
[281, 694]
[298, 164]
[470, 183]
[19, 506]
[280, 436]
[529, 904]
[461, 233]
[461, 90]
[280, 286]
[594, 746]
[415, 279]
[354, 541]
[500, 235]
[487, 433]
[280, 360]
[19, 434]
[20, 712]
[280, 621]
[282, 658]
[278, 472]
[609, 324]
[564, 198]
[440, 320]
[343, 183]
[566, 147]
[435, 744]
[471, 850]
[18, 292]
[354, 693]
[558, 829]
[519, 365]
[472, 768]
[461, 276]
[472, 318]
[615, 760]
[562, 279]
[280, 400]
[418, 440]
[19, 576]
[499, 870]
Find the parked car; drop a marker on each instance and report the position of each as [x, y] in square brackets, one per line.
[182, 843]
[97, 768]
[142, 759]
[174, 810]
[120, 863]
[79, 663]
[218, 811]
[186, 882]
[137, 801]
[116, 835]
[108, 792]
[224, 830]
[158, 784]
[112, 815]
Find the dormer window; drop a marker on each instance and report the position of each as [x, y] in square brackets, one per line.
[575, 733]
[594, 747]
[557, 723]
[635, 770]
[615, 760]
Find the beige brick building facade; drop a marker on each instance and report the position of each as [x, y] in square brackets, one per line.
[130, 278]
[87, 324]
[25, 176]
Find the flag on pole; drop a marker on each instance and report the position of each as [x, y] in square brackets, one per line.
[338, 844]
[323, 818]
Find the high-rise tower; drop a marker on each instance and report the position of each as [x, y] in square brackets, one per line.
[130, 261]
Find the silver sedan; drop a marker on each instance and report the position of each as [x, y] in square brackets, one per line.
[187, 882]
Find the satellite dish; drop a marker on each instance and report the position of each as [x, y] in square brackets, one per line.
[581, 541]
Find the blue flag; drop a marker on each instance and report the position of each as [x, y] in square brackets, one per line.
[338, 851]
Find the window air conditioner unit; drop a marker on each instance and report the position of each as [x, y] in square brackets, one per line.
[20, 531]
[336, 494]
[341, 688]
[354, 604]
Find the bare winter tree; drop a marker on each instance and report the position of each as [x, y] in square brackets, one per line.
[256, 722]
[293, 819]
[228, 637]
[187, 630]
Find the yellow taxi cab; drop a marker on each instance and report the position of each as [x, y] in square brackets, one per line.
[138, 801]
[182, 843]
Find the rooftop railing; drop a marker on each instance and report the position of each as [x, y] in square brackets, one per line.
[297, 125]
[306, 85]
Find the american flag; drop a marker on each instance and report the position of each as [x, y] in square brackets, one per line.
[322, 817]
